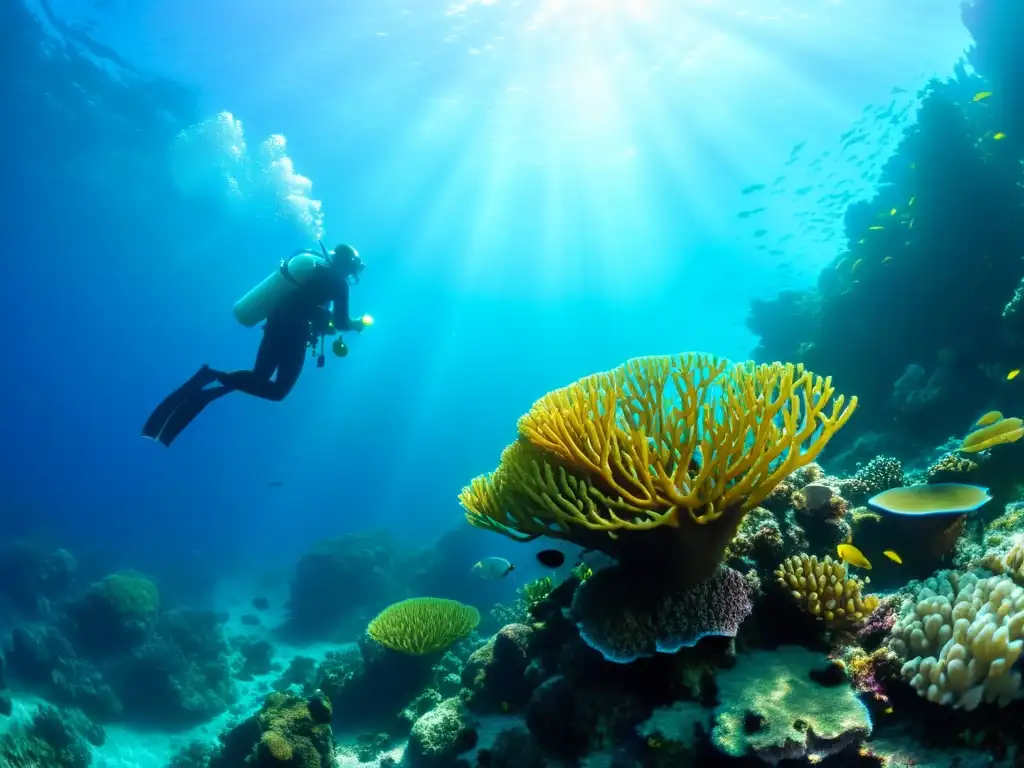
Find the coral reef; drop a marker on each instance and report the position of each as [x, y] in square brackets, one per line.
[440, 735]
[960, 636]
[114, 615]
[771, 708]
[661, 485]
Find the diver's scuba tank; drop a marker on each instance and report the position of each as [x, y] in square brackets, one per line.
[339, 347]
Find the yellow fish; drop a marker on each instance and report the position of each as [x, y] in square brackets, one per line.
[887, 711]
[912, 200]
[999, 136]
[855, 265]
[989, 418]
[893, 556]
[981, 95]
[1012, 374]
[886, 259]
[876, 228]
[840, 263]
[892, 212]
[853, 556]
[913, 166]
[861, 241]
[911, 224]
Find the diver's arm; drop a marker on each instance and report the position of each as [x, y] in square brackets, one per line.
[341, 320]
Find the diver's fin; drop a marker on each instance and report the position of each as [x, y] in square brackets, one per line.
[186, 412]
[155, 422]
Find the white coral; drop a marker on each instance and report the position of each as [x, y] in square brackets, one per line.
[960, 639]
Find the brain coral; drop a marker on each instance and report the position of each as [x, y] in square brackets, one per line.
[960, 636]
[422, 625]
[658, 460]
[771, 708]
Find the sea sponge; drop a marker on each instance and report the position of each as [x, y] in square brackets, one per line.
[625, 621]
[772, 708]
[824, 590]
[422, 625]
[960, 636]
[662, 446]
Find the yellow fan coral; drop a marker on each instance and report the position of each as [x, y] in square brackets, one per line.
[422, 625]
[667, 443]
[824, 590]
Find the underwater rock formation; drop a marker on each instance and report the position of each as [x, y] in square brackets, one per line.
[32, 580]
[114, 616]
[181, 675]
[323, 603]
[41, 659]
[494, 677]
[50, 739]
[439, 736]
[772, 708]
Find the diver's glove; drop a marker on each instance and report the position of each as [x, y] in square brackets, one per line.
[361, 323]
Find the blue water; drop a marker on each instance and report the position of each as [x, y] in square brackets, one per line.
[540, 190]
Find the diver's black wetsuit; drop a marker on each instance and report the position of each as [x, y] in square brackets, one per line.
[287, 333]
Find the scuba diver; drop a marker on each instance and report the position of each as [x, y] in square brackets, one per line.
[293, 300]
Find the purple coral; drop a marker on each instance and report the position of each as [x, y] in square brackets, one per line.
[878, 625]
[626, 621]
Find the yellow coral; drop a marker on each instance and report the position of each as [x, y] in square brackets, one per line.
[1002, 431]
[824, 590]
[632, 448]
[276, 746]
[423, 625]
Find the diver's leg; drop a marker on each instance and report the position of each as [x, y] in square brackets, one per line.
[158, 418]
[288, 354]
[187, 411]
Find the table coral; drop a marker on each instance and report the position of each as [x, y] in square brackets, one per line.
[423, 625]
[960, 636]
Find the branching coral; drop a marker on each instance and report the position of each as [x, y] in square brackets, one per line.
[823, 589]
[960, 637]
[685, 444]
[422, 625]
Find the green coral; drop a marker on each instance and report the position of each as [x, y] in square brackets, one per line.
[295, 732]
[770, 707]
[536, 591]
[128, 593]
[422, 625]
